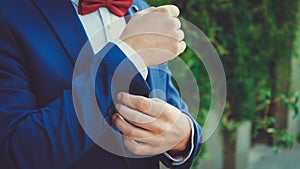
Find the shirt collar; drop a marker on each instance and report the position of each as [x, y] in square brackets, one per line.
[75, 2]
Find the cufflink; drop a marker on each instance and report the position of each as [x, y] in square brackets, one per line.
[135, 8]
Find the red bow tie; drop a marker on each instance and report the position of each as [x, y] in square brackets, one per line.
[117, 7]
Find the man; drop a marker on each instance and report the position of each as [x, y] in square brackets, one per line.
[39, 44]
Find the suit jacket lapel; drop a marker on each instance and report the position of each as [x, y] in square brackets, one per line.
[62, 18]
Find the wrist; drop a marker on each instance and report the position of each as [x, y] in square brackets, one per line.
[181, 149]
[184, 143]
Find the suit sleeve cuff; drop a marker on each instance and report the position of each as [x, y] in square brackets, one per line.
[179, 160]
[133, 56]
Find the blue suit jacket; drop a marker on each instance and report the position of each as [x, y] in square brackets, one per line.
[39, 44]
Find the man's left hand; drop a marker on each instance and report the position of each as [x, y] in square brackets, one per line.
[151, 126]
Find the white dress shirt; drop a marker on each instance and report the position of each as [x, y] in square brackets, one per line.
[102, 27]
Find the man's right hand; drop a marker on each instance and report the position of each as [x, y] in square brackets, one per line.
[155, 34]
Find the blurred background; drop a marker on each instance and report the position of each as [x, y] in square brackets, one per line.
[259, 45]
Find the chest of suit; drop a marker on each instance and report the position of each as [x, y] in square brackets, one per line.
[50, 37]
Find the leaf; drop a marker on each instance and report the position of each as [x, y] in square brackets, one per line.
[270, 121]
[296, 111]
[296, 99]
[271, 130]
[268, 94]
[284, 99]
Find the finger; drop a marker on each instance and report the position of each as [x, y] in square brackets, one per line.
[152, 107]
[178, 35]
[139, 148]
[173, 24]
[177, 23]
[171, 10]
[134, 116]
[128, 129]
[151, 124]
[181, 47]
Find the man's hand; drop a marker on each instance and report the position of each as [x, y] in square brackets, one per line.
[151, 126]
[155, 34]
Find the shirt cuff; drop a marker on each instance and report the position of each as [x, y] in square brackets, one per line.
[133, 56]
[181, 160]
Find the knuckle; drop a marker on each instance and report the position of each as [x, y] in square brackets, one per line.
[130, 133]
[117, 122]
[181, 34]
[166, 129]
[162, 128]
[167, 126]
[182, 47]
[142, 103]
[162, 10]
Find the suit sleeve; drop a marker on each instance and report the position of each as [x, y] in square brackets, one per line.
[33, 137]
[173, 98]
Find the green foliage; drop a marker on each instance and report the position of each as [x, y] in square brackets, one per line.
[252, 37]
[281, 139]
[293, 104]
[255, 42]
